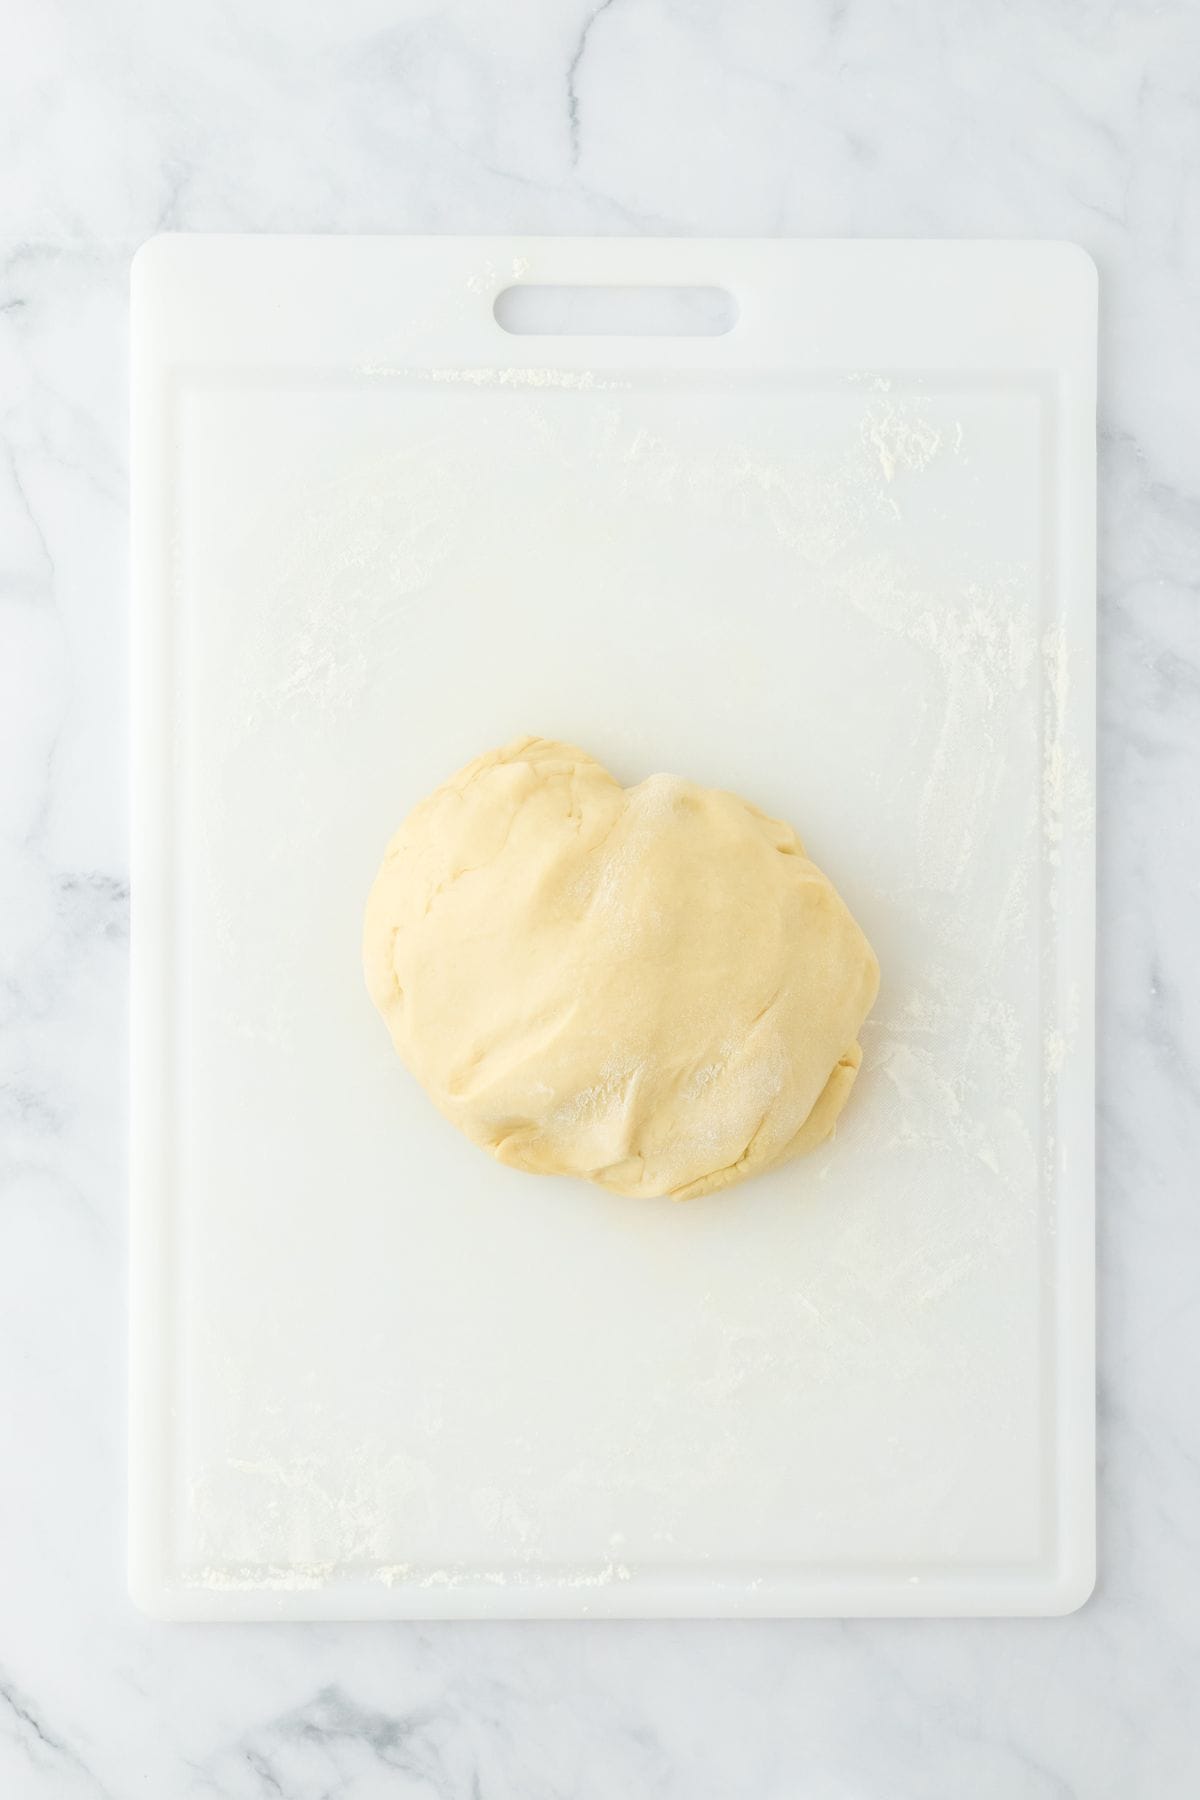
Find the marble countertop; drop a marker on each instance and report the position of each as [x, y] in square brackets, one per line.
[1073, 120]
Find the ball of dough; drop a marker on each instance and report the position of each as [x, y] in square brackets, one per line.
[651, 987]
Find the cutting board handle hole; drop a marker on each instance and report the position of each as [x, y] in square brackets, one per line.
[534, 311]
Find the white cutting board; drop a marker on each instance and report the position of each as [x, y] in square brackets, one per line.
[840, 560]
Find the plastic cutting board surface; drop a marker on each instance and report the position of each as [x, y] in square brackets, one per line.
[840, 560]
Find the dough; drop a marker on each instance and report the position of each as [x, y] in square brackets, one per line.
[650, 987]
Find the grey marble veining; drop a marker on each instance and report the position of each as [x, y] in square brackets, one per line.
[1077, 120]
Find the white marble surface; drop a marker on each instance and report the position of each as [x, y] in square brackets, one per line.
[1077, 120]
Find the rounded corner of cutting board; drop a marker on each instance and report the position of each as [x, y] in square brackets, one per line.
[148, 1590]
[1073, 1586]
[151, 258]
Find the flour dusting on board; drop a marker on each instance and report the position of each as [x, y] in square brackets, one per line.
[337, 604]
[901, 435]
[973, 784]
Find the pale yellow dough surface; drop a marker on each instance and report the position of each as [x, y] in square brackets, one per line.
[651, 987]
